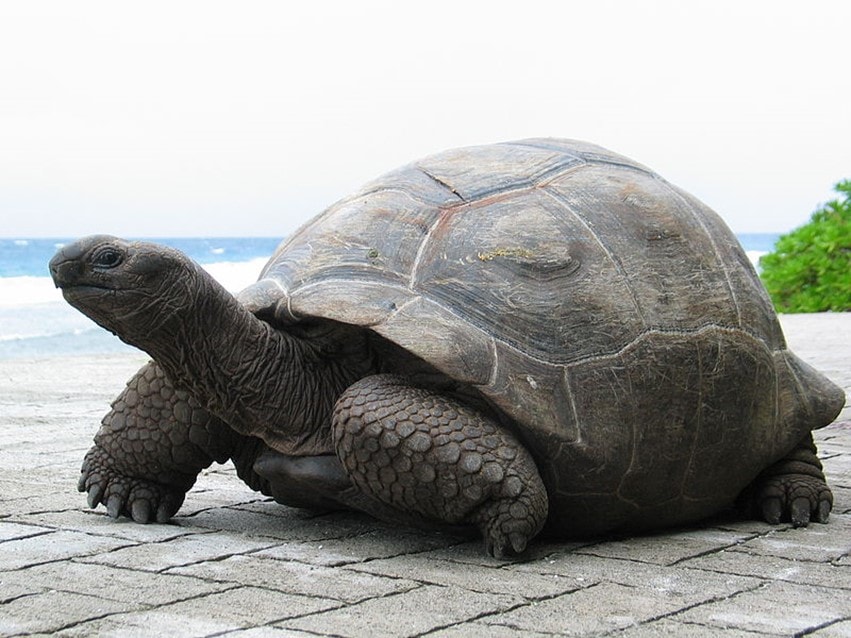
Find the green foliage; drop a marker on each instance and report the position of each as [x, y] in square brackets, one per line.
[810, 268]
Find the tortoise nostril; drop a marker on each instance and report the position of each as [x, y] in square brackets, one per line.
[63, 271]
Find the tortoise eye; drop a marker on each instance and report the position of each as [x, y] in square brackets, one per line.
[107, 257]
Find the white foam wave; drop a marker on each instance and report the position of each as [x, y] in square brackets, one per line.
[36, 333]
[236, 275]
[26, 291]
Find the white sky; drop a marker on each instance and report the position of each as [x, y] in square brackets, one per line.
[246, 118]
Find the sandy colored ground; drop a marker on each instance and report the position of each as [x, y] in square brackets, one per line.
[234, 564]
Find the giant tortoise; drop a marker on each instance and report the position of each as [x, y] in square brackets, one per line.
[527, 336]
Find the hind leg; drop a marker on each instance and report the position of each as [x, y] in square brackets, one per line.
[793, 489]
[150, 448]
[310, 482]
[428, 457]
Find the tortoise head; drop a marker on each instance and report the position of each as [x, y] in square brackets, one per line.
[130, 288]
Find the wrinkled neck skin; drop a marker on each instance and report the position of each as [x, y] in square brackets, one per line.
[259, 380]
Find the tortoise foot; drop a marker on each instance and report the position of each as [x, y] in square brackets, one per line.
[794, 489]
[150, 448]
[433, 459]
[310, 482]
[796, 498]
[136, 498]
[509, 522]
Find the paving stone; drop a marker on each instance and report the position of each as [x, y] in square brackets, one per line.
[11, 587]
[360, 548]
[268, 632]
[239, 522]
[11, 531]
[747, 527]
[410, 614]
[841, 466]
[56, 545]
[183, 550]
[836, 630]
[51, 500]
[493, 580]
[297, 578]
[737, 561]
[467, 629]
[53, 610]
[472, 552]
[112, 583]
[842, 500]
[667, 548]
[97, 522]
[819, 543]
[232, 492]
[597, 609]
[584, 570]
[19, 490]
[778, 607]
[266, 505]
[666, 627]
[148, 624]
[294, 526]
[243, 607]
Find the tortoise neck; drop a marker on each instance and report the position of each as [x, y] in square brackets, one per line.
[237, 366]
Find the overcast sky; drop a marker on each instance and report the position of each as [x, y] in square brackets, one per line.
[247, 118]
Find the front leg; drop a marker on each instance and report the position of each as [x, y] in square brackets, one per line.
[150, 448]
[425, 454]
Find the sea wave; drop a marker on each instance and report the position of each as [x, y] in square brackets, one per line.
[27, 290]
[236, 275]
[35, 321]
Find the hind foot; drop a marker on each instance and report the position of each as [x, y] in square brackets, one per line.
[316, 483]
[794, 489]
[432, 459]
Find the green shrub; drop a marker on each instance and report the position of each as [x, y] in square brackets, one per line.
[810, 268]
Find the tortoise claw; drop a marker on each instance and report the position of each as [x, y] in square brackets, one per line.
[140, 511]
[114, 505]
[823, 512]
[95, 493]
[772, 510]
[799, 512]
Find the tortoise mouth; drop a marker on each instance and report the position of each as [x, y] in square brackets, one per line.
[82, 293]
[70, 287]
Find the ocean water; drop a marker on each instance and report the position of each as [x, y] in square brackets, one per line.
[36, 322]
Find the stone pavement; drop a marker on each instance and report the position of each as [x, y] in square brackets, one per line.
[233, 564]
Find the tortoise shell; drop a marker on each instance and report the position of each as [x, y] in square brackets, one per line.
[611, 316]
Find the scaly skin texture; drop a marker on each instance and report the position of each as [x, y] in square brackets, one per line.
[426, 454]
[151, 446]
[793, 489]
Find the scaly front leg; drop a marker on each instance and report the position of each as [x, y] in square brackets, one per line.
[150, 448]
